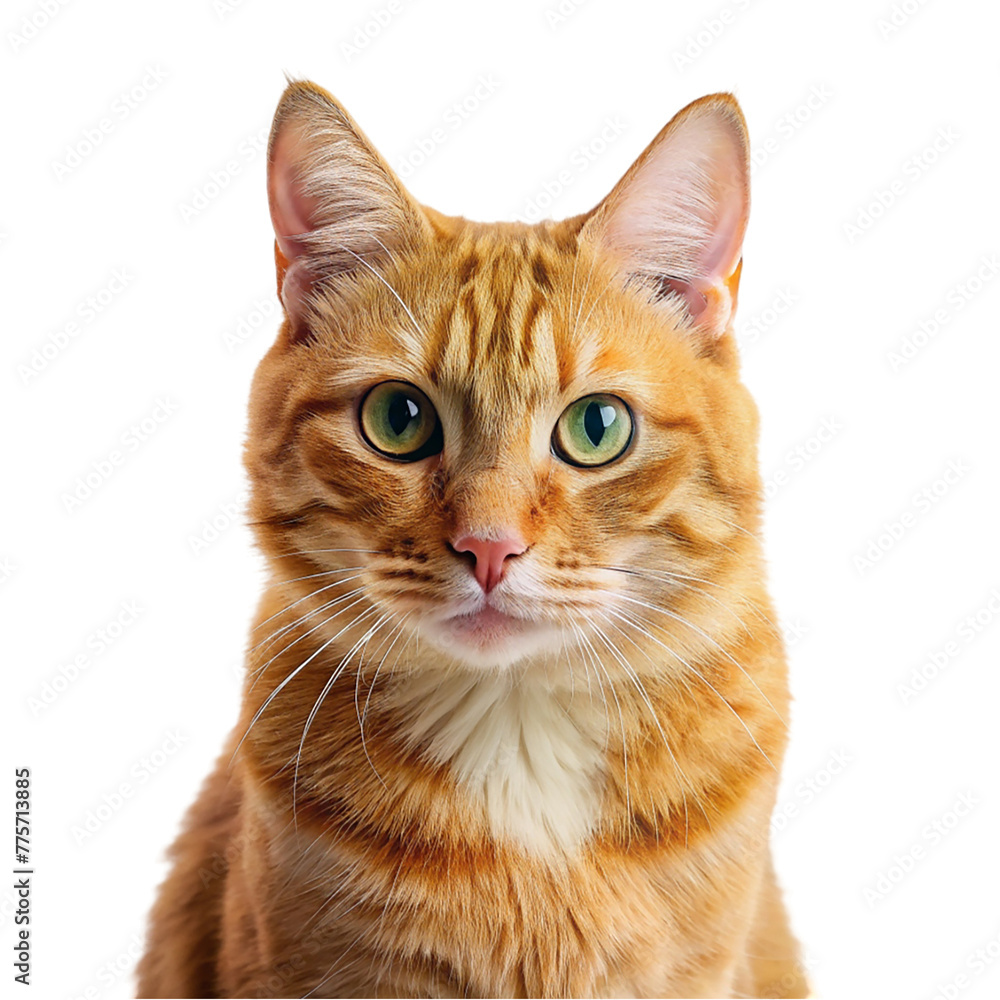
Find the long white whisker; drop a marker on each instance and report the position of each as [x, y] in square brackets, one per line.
[621, 723]
[337, 671]
[269, 639]
[363, 713]
[600, 683]
[725, 652]
[310, 552]
[259, 672]
[645, 696]
[666, 576]
[700, 677]
[313, 593]
[292, 676]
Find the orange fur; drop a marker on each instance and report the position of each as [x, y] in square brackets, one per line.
[349, 843]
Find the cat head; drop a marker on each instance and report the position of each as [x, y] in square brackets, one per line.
[505, 439]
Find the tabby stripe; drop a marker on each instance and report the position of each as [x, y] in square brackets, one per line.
[527, 329]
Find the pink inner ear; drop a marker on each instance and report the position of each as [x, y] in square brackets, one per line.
[292, 212]
[694, 300]
[679, 216]
[722, 252]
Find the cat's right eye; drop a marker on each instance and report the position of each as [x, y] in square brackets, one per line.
[399, 421]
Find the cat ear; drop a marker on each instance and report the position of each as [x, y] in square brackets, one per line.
[675, 221]
[336, 206]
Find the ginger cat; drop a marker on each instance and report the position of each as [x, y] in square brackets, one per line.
[513, 714]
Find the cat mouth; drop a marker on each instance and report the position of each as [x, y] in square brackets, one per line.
[486, 624]
[489, 636]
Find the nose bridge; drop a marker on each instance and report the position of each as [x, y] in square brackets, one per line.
[492, 480]
[490, 501]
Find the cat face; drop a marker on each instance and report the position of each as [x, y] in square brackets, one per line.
[505, 440]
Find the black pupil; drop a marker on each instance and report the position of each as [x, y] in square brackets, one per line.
[402, 410]
[593, 423]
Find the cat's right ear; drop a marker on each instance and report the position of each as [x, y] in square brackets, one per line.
[336, 206]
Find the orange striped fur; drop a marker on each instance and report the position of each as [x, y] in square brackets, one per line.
[579, 804]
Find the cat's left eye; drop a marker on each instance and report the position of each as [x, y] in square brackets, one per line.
[398, 420]
[593, 431]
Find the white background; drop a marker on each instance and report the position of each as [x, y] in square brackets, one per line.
[875, 210]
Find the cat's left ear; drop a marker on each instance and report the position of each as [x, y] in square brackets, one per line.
[675, 221]
[337, 208]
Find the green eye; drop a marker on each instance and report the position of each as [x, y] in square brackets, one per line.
[593, 431]
[398, 420]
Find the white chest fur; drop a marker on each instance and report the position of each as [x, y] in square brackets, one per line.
[531, 752]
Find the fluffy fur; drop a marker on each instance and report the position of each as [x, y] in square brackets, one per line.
[571, 795]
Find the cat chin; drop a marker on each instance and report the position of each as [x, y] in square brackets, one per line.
[488, 638]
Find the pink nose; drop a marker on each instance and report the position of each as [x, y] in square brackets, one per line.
[490, 555]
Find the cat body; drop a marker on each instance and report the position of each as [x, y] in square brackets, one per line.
[515, 703]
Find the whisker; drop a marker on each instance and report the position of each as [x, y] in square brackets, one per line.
[607, 716]
[270, 640]
[313, 576]
[313, 593]
[667, 576]
[293, 674]
[641, 687]
[337, 671]
[736, 527]
[621, 725]
[700, 677]
[311, 552]
[725, 652]
[396, 632]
